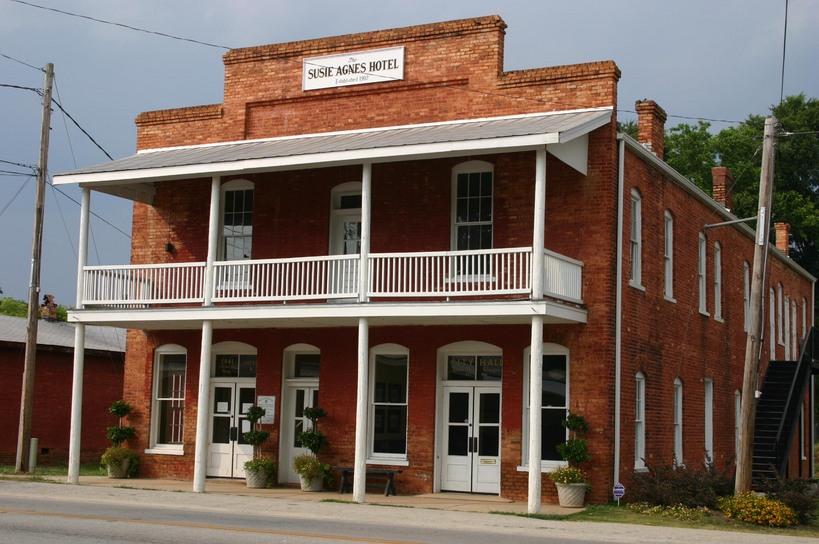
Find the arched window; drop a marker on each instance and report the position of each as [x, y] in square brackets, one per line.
[678, 421]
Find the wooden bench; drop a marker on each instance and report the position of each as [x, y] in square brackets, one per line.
[347, 473]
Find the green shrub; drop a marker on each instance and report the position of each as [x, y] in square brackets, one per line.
[796, 493]
[758, 509]
[680, 512]
[115, 455]
[681, 485]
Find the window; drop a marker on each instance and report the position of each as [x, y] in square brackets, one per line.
[678, 421]
[701, 264]
[388, 403]
[787, 333]
[794, 337]
[668, 257]
[554, 402]
[772, 323]
[737, 422]
[237, 221]
[472, 206]
[639, 421]
[804, 317]
[636, 239]
[717, 281]
[168, 410]
[708, 391]
[802, 434]
[482, 368]
[780, 301]
[746, 295]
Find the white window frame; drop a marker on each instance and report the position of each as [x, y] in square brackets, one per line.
[636, 240]
[156, 447]
[794, 335]
[546, 465]
[780, 322]
[668, 257]
[678, 421]
[708, 393]
[640, 421]
[717, 281]
[701, 274]
[804, 318]
[470, 167]
[233, 185]
[772, 323]
[380, 458]
[746, 295]
[803, 442]
[788, 332]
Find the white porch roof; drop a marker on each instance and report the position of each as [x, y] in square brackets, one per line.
[564, 134]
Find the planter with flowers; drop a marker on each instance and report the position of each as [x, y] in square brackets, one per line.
[260, 471]
[119, 461]
[312, 472]
[571, 482]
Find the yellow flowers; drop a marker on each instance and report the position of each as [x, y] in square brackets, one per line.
[759, 509]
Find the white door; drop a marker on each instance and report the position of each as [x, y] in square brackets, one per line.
[297, 398]
[227, 451]
[471, 439]
[345, 240]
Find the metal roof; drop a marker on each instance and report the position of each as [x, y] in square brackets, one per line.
[452, 138]
[61, 334]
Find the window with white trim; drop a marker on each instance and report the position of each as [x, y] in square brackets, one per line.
[678, 421]
[636, 239]
[237, 221]
[780, 322]
[804, 317]
[708, 391]
[737, 422]
[787, 334]
[168, 405]
[794, 335]
[701, 268]
[772, 323]
[640, 421]
[668, 257]
[746, 295]
[803, 451]
[389, 386]
[717, 281]
[554, 402]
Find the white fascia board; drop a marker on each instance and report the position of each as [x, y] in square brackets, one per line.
[375, 155]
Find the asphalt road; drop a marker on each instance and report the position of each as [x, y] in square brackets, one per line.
[33, 512]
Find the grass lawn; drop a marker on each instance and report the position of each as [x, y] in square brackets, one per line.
[56, 470]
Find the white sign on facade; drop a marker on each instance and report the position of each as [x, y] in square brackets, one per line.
[269, 405]
[359, 68]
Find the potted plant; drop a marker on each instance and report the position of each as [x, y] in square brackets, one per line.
[312, 472]
[260, 471]
[120, 462]
[571, 482]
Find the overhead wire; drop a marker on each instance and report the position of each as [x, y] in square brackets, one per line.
[21, 62]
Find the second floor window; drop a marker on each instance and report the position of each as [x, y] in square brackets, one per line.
[636, 239]
[472, 214]
[701, 274]
[237, 221]
[668, 257]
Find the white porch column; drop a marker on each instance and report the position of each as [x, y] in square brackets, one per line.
[79, 347]
[360, 462]
[200, 459]
[535, 413]
[366, 210]
[213, 237]
[538, 234]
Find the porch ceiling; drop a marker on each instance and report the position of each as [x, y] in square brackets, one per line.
[133, 177]
[334, 315]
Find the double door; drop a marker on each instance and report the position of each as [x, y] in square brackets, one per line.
[227, 450]
[471, 439]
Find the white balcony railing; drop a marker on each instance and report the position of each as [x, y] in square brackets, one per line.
[441, 274]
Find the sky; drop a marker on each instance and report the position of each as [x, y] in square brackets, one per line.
[719, 60]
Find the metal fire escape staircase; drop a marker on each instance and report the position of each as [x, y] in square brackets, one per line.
[778, 410]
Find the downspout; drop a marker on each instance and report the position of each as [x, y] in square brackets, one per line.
[618, 306]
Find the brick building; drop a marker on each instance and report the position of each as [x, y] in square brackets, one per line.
[354, 225]
[54, 370]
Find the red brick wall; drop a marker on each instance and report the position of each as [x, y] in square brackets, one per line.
[51, 414]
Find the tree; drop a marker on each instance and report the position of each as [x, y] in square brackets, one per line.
[692, 150]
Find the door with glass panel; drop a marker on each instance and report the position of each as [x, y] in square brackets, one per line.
[300, 391]
[345, 239]
[227, 450]
[471, 439]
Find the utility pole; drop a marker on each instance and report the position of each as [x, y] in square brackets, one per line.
[754, 339]
[27, 397]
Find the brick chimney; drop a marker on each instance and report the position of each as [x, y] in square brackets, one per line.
[723, 182]
[783, 236]
[651, 126]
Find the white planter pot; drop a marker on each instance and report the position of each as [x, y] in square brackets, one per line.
[571, 495]
[119, 470]
[315, 484]
[255, 479]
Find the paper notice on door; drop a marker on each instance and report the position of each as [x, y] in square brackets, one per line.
[245, 426]
[489, 461]
[222, 407]
[246, 406]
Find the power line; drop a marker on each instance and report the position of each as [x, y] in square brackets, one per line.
[135, 29]
[81, 129]
[21, 62]
[36, 90]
